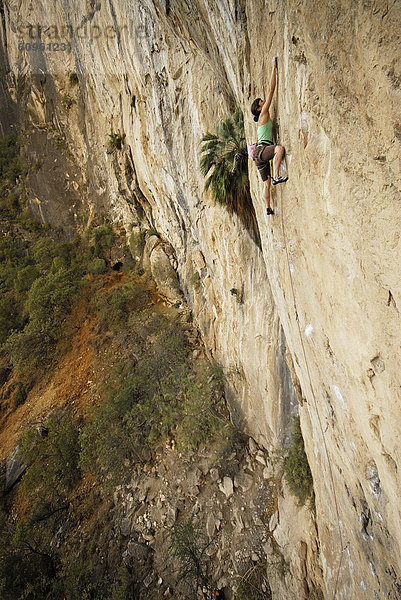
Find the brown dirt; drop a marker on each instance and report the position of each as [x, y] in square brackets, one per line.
[72, 383]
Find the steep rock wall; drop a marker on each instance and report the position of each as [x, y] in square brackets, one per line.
[162, 74]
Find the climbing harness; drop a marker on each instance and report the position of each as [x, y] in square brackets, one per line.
[337, 512]
[255, 150]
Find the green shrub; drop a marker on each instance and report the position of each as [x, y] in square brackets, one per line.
[51, 456]
[81, 579]
[29, 561]
[49, 303]
[11, 162]
[225, 161]
[123, 586]
[25, 278]
[27, 568]
[97, 266]
[29, 224]
[40, 280]
[102, 238]
[10, 318]
[296, 467]
[198, 416]
[115, 141]
[73, 79]
[20, 393]
[51, 296]
[116, 305]
[161, 395]
[105, 441]
[45, 250]
[10, 207]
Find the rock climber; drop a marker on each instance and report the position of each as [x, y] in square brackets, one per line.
[218, 594]
[266, 149]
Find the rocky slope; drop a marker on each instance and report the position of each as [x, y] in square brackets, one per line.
[157, 76]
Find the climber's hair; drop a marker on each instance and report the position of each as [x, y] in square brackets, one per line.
[255, 109]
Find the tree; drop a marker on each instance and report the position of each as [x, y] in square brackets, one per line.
[224, 162]
[225, 155]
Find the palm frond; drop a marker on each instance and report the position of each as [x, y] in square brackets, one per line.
[224, 160]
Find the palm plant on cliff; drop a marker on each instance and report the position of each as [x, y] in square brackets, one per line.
[224, 161]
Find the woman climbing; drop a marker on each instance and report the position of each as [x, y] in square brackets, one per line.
[266, 150]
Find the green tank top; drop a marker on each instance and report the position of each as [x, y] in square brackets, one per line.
[265, 132]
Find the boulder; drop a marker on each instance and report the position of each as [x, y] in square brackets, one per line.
[227, 487]
[164, 275]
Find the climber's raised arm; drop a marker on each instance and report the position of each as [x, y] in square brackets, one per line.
[266, 106]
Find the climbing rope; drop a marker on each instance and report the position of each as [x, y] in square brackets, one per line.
[340, 535]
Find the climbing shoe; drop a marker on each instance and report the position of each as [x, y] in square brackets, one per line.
[279, 179]
[269, 211]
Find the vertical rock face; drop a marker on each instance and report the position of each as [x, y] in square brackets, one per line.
[324, 286]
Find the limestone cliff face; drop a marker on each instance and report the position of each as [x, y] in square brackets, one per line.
[161, 74]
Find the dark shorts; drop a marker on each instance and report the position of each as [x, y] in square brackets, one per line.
[262, 162]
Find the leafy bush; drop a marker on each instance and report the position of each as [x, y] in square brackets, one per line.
[29, 563]
[97, 266]
[32, 568]
[29, 224]
[40, 280]
[25, 278]
[51, 455]
[45, 250]
[73, 79]
[9, 317]
[161, 395]
[105, 441]
[296, 467]
[118, 430]
[81, 580]
[27, 570]
[49, 302]
[115, 141]
[17, 275]
[20, 393]
[197, 411]
[11, 162]
[102, 238]
[10, 206]
[115, 306]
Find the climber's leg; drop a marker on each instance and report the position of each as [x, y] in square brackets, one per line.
[266, 195]
[278, 155]
[263, 165]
